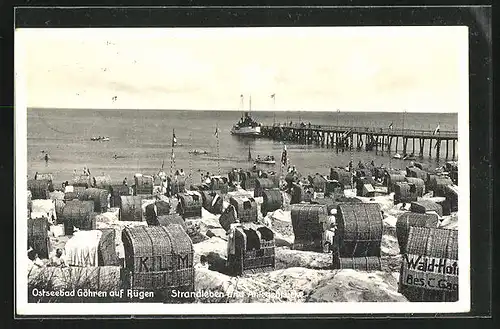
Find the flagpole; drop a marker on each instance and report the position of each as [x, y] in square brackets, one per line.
[280, 174]
[402, 130]
[281, 169]
[404, 118]
[390, 156]
[352, 158]
[273, 96]
[190, 161]
[218, 147]
[283, 161]
[172, 162]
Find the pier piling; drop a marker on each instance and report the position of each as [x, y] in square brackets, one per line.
[453, 150]
[446, 149]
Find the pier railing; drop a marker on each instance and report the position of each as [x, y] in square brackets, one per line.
[366, 130]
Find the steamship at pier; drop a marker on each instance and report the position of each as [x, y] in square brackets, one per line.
[247, 126]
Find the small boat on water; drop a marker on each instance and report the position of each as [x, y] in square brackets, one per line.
[197, 152]
[269, 160]
[397, 156]
[100, 139]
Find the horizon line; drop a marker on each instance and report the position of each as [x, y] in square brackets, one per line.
[231, 110]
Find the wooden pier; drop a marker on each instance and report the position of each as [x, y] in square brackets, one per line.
[369, 139]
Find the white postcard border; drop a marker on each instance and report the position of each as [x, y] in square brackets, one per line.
[21, 264]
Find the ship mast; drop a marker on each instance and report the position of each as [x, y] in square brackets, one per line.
[242, 105]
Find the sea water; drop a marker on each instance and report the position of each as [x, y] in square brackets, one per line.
[142, 141]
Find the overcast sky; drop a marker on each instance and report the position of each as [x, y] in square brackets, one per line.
[418, 69]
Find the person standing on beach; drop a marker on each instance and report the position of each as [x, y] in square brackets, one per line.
[125, 181]
[164, 185]
[329, 233]
[57, 260]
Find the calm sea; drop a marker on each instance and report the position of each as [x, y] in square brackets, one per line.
[142, 139]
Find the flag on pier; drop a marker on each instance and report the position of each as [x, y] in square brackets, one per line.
[437, 129]
[273, 95]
